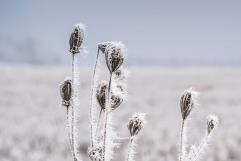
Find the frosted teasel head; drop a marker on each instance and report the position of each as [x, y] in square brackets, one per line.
[101, 95]
[76, 38]
[212, 122]
[66, 91]
[95, 153]
[187, 102]
[136, 123]
[114, 54]
[116, 100]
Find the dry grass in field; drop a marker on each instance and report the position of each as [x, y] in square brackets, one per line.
[32, 128]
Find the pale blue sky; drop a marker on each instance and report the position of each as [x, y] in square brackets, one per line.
[155, 32]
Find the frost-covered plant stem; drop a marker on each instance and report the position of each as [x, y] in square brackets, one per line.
[196, 153]
[98, 122]
[182, 149]
[200, 150]
[73, 126]
[187, 103]
[106, 121]
[69, 130]
[93, 124]
[131, 149]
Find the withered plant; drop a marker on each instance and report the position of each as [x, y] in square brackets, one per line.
[108, 95]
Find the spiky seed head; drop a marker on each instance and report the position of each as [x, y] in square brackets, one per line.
[66, 91]
[114, 54]
[101, 93]
[212, 122]
[76, 38]
[116, 101]
[95, 153]
[187, 102]
[136, 123]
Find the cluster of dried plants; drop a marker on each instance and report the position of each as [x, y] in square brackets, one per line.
[106, 96]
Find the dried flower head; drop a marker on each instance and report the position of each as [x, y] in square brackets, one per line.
[114, 54]
[136, 123]
[76, 38]
[101, 95]
[95, 153]
[187, 102]
[116, 100]
[212, 122]
[66, 91]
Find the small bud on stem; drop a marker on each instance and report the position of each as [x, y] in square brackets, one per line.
[212, 122]
[136, 123]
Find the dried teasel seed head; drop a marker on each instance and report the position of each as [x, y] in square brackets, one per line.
[76, 38]
[212, 122]
[66, 91]
[114, 54]
[95, 153]
[187, 102]
[116, 101]
[101, 93]
[136, 123]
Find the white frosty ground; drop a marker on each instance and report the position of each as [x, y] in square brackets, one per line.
[32, 123]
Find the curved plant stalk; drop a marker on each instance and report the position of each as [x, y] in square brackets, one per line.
[93, 124]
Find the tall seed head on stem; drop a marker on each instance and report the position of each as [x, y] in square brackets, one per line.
[114, 54]
[187, 102]
[76, 38]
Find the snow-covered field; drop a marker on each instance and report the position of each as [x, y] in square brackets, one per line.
[32, 122]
